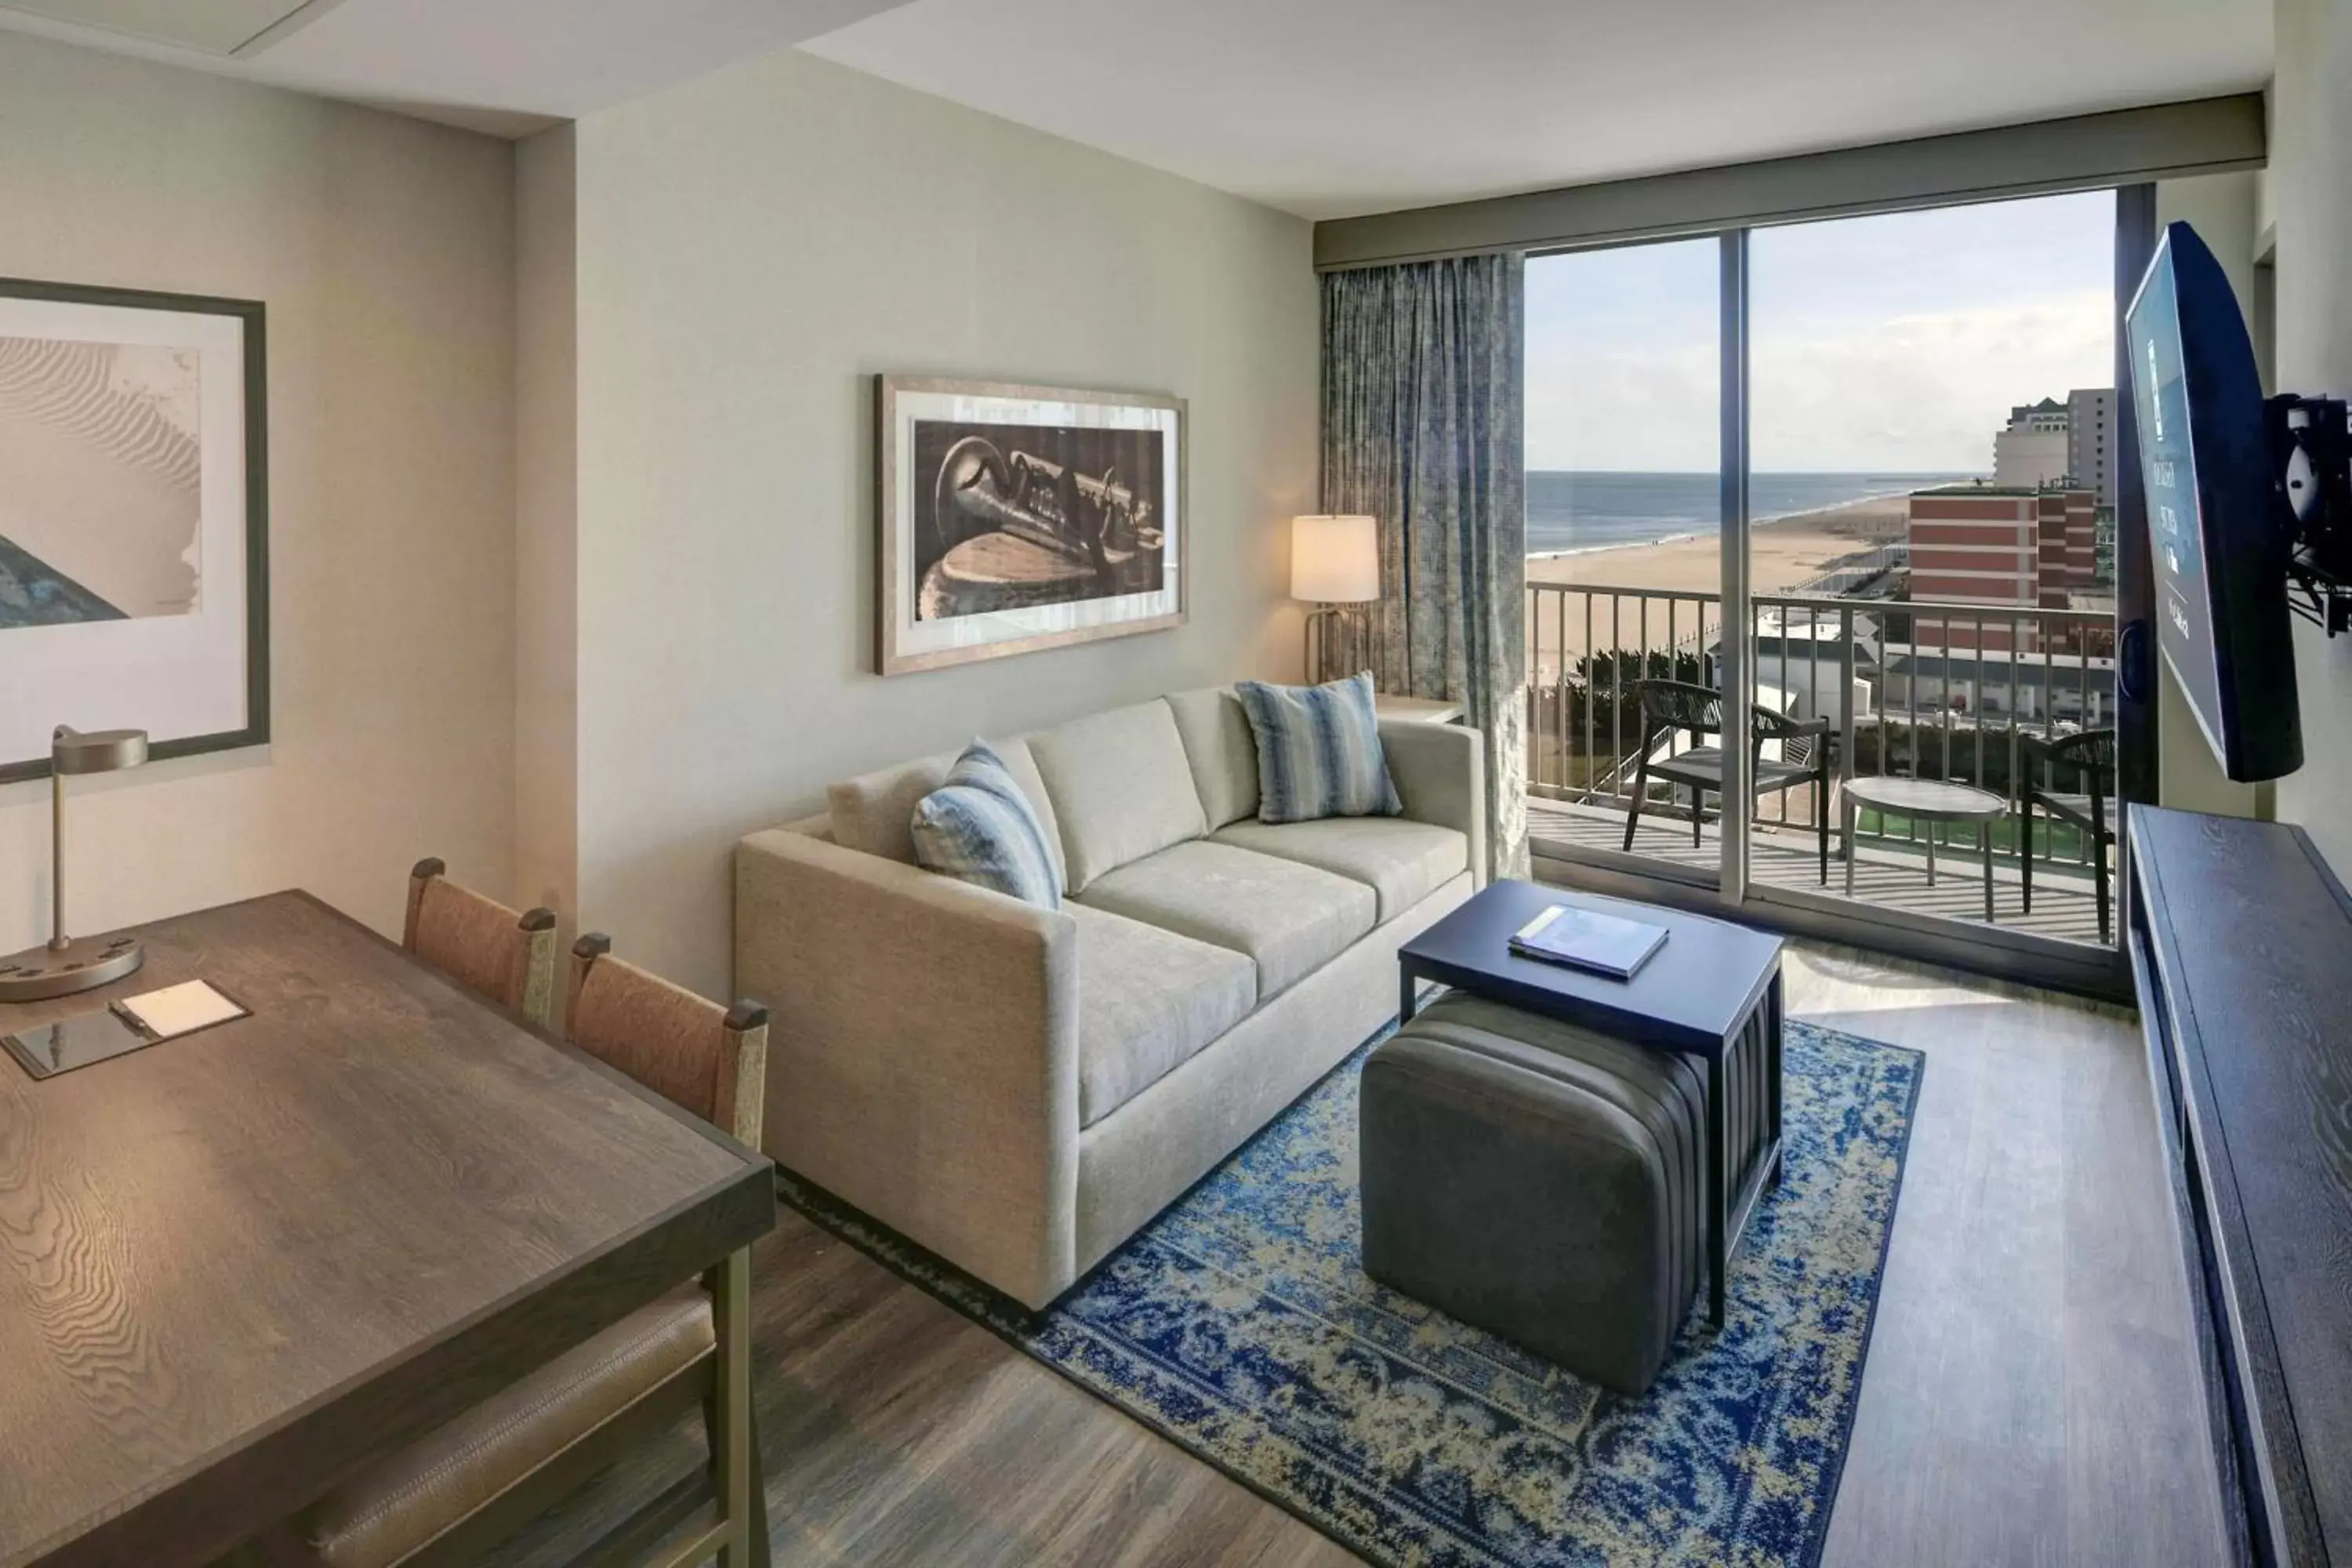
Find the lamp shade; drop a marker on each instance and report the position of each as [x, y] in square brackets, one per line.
[1335, 560]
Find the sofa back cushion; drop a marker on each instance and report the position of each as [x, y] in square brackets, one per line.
[1121, 787]
[1216, 728]
[875, 813]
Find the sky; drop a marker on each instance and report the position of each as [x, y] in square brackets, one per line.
[1892, 344]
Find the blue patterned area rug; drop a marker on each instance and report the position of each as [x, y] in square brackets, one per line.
[1241, 1325]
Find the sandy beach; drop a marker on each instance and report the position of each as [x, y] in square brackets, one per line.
[1783, 554]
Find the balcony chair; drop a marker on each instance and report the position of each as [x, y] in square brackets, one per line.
[2090, 757]
[1671, 705]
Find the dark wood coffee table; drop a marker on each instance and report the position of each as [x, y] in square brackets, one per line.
[1712, 991]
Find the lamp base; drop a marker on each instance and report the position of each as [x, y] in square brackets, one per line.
[1337, 642]
[83, 963]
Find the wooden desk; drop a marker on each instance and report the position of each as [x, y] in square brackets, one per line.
[236, 1266]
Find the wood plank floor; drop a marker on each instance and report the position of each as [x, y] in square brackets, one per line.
[2029, 1398]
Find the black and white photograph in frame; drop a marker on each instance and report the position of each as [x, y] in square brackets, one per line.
[133, 520]
[1018, 518]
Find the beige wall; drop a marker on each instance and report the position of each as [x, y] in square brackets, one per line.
[384, 250]
[753, 247]
[2311, 189]
[547, 576]
[2220, 208]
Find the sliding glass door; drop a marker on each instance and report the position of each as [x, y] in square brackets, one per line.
[1918, 412]
[1624, 553]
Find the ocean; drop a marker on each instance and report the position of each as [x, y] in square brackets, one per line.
[1594, 510]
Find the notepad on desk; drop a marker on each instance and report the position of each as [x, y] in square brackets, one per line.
[177, 1010]
[1587, 939]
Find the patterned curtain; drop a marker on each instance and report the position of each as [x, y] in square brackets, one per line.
[1421, 428]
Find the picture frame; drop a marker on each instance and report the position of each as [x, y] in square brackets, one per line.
[135, 518]
[1013, 518]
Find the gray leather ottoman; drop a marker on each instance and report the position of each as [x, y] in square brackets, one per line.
[1537, 1181]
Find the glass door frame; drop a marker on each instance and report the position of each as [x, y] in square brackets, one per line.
[2012, 954]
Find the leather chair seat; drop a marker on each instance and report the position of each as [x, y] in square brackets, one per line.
[406, 1501]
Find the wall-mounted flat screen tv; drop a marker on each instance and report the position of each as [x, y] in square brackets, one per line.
[2221, 617]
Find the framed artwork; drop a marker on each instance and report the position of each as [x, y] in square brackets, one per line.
[1020, 518]
[134, 583]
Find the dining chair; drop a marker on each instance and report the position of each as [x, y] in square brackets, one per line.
[1668, 706]
[485, 946]
[2089, 760]
[461, 1490]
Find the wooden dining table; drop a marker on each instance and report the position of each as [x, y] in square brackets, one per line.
[238, 1265]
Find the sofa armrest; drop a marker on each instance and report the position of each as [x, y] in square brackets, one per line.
[923, 1061]
[1440, 773]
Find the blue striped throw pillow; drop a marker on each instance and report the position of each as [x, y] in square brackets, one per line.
[979, 828]
[1319, 750]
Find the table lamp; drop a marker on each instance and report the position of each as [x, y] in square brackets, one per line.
[67, 965]
[1335, 564]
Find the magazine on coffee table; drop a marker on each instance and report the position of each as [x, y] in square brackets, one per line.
[1586, 938]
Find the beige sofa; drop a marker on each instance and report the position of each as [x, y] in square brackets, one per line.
[1020, 1090]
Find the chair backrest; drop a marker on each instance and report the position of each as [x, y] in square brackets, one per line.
[507, 956]
[1679, 705]
[2092, 755]
[708, 1060]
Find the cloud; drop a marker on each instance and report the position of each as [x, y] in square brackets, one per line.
[1911, 392]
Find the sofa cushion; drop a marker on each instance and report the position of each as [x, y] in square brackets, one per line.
[1148, 1000]
[875, 813]
[979, 828]
[1288, 918]
[1319, 750]
[1223, 752]
[1121, 788]
[1402, 862]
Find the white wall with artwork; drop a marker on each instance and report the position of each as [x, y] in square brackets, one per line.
[381, 250]
[733, 313]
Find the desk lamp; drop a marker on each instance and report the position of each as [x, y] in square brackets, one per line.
[66, 965]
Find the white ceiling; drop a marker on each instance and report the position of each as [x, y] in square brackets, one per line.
[1330, 108]
[506, 66]
[213, 26]
[1326, 108]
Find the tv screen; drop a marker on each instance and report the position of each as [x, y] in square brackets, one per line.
[2221, 619]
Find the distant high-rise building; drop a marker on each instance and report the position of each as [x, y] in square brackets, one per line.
[1993, 545]
[2047, 414]
[2091, 440]
[2025, 460]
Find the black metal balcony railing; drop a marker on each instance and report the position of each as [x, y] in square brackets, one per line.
[1926, 689]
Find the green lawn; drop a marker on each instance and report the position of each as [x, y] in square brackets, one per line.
[2068, 841]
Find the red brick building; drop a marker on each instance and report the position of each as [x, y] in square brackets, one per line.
[2001, 548]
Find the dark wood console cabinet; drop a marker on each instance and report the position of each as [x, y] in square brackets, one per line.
[2240, 943]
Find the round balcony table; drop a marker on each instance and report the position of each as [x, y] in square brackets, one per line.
[1928, 801]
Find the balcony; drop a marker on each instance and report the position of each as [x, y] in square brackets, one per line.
[1924, 689]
